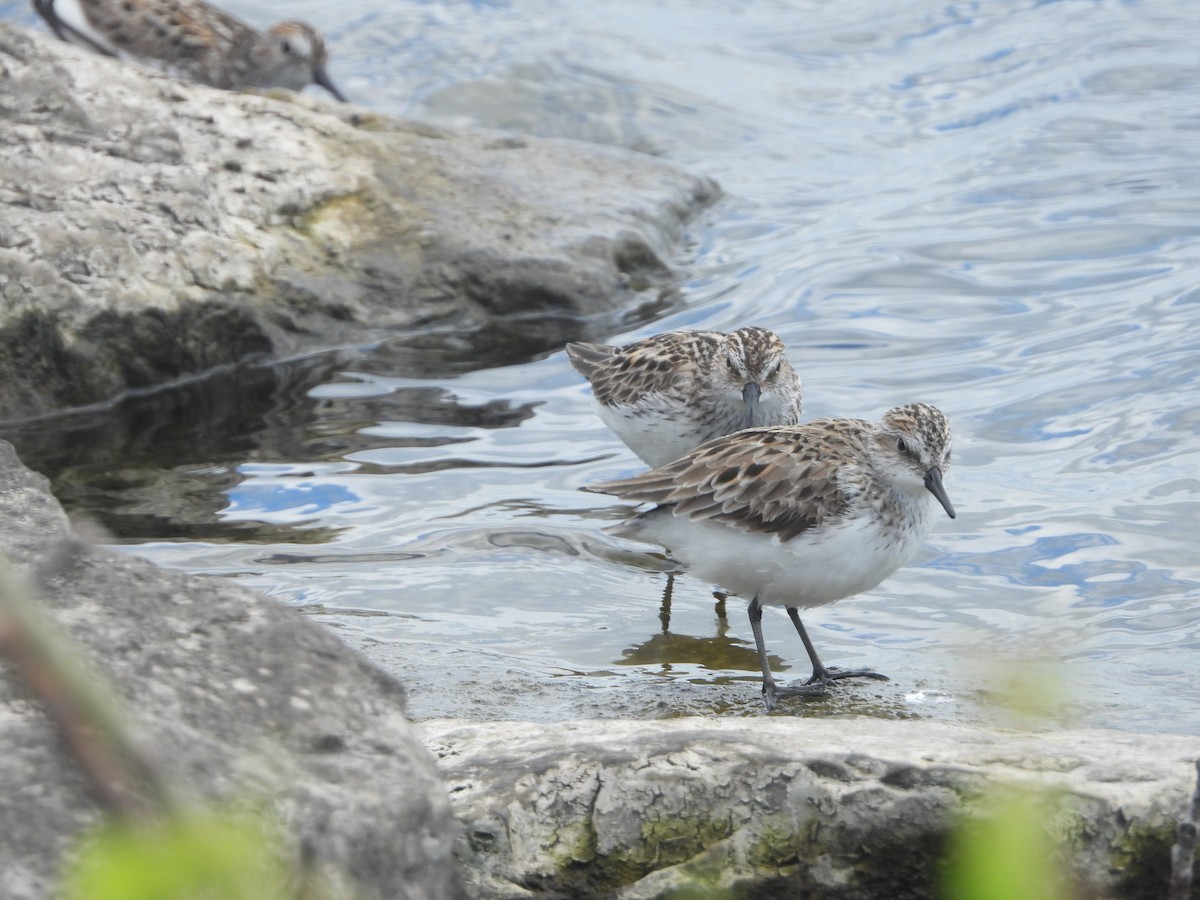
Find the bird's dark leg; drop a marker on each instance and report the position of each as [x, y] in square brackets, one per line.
[770, 691]
[664, 611]
[822, 675]
[768, 684]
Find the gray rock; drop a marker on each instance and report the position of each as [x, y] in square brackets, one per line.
[241, 699]
[785, 808]
[155, 229]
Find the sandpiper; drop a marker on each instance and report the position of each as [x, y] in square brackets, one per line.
[191, 39]
[667, 394]
[799, 516]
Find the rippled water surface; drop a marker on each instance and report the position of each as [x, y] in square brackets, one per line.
[993, 207]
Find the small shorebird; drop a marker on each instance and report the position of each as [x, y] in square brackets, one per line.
[799, 516]
[191, 39]
[668, 394]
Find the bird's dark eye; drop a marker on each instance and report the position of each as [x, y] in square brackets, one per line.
[901, 446]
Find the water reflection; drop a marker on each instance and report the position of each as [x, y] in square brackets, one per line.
[669, 651]
[512, 340]
[174, 463]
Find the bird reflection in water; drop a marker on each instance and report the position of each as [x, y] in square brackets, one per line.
[717, 653]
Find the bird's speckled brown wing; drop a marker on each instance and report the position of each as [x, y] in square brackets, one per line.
[588, 358]
[784, 480]
[622, 376]
[172, 30]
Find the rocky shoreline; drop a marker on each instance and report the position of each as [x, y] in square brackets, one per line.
[245, 698]
[156, 230]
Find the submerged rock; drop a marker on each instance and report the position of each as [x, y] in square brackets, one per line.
[241, 699]
[155, 229]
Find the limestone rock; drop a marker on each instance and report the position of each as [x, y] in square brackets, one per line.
[242, 699]
[153, 229]
[791, 808]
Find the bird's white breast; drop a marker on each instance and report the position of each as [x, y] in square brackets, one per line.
[814, 568]
[657, 429]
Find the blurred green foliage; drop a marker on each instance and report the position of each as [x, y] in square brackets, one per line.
[196, 856]
[1003, 852]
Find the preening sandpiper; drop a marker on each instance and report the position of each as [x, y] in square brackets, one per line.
[799, 516]
[665, 395]
[194, 40]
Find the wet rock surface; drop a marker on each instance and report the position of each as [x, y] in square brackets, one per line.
[155, 229]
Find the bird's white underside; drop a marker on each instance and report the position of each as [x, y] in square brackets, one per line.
[650, 431]
[814, 568]
[71, 12]
[661, 428]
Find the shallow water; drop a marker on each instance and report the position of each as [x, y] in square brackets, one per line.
[988, 206]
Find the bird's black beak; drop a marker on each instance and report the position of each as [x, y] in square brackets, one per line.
[933, 484]
[750, 394]
[321, 77]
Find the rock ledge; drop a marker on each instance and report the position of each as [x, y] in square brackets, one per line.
[155, 229]
[785, 808]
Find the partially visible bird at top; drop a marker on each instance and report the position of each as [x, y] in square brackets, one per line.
[193, 40]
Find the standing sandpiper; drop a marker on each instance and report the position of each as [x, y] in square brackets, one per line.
[191, 39]
[799, 516]
[668, 394]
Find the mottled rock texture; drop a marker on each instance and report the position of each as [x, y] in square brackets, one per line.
[793, 808]
[154, 229]
[240, 699]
